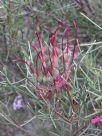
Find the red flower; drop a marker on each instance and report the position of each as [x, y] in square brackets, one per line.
[39, 53]
[54, 52]
[57, 81]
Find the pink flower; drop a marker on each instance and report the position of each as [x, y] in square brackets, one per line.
[95, 120]
[18, 103]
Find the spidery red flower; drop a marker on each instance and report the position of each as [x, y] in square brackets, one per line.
[57, 80]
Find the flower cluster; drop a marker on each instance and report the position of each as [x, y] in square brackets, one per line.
[52, 53]
[57, 80]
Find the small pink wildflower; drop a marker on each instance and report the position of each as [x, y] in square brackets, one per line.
[18, 103]
[95, 120]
